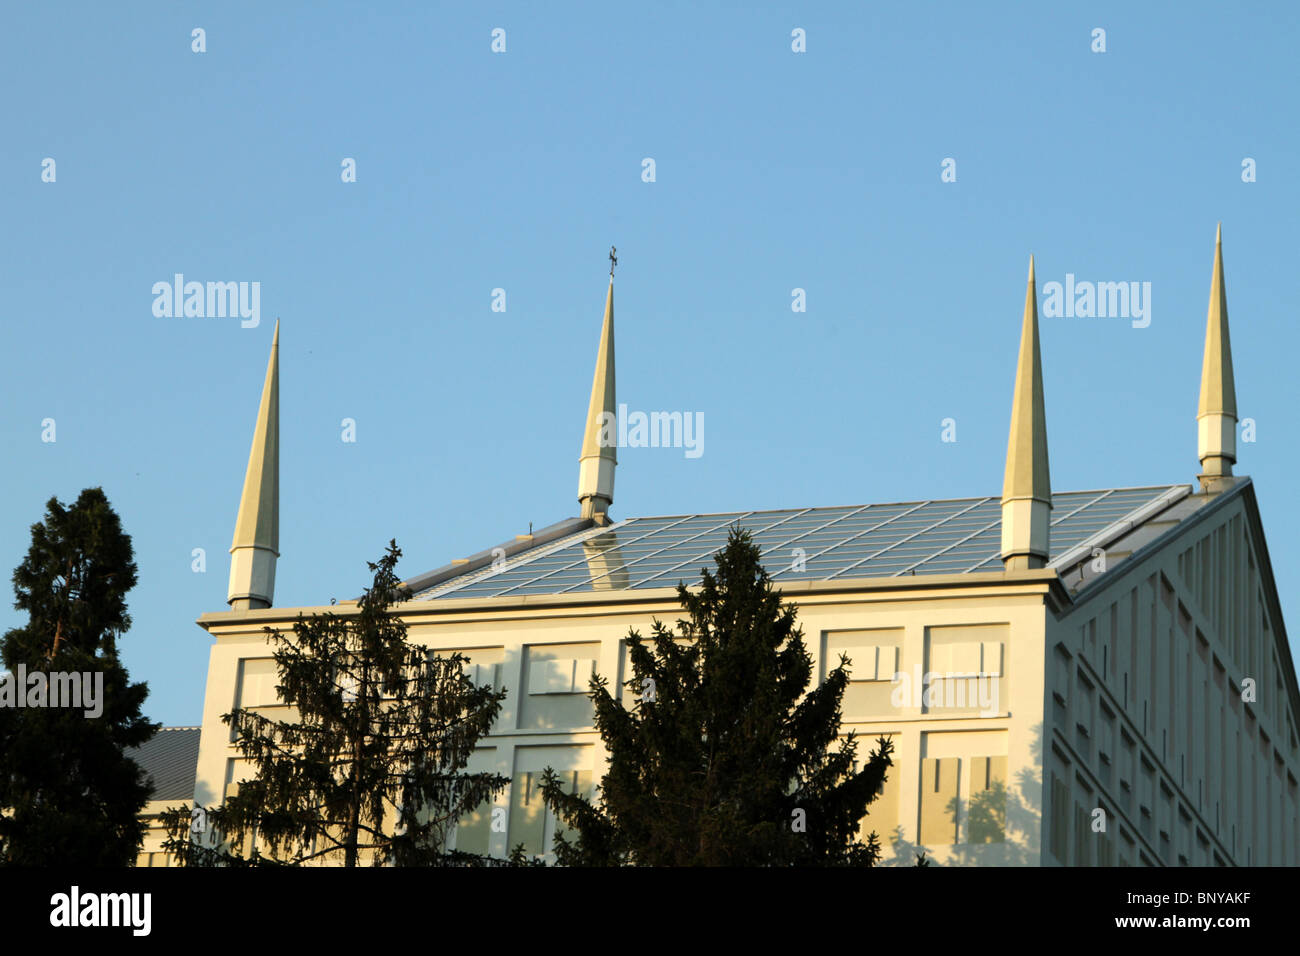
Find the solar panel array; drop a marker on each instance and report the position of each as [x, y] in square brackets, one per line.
[818, 544]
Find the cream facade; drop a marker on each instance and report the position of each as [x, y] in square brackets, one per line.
[1104, 693]
[544, 651]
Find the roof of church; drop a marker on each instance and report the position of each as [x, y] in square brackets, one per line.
[952, 536]
[171, 758]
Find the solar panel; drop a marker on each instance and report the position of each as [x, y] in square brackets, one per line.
[819, 544]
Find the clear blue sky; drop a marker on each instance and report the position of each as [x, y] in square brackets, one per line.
[475, 171]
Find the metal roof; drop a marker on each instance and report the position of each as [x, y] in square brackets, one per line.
[171, 758]
[951, 536]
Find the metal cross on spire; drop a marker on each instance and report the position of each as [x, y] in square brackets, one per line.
[613, 260]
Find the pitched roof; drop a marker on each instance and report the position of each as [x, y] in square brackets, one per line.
[951, 536]
[171, 758]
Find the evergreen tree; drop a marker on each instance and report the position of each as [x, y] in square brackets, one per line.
[370, 770]
[68, 793]
[725, 758]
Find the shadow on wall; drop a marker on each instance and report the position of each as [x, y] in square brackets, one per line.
[999, 826]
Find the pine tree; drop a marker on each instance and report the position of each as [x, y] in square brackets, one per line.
[69, 795]
[371, 768]
[725, 758]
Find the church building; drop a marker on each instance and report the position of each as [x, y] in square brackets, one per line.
[1069, 677]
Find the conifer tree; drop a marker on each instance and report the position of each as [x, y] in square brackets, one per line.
[370, 770]
[69, 795]
[726, 756]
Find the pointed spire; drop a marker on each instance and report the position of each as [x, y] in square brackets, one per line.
[257, 528]
[1216, 415]
[597, 461]
[1027, 486]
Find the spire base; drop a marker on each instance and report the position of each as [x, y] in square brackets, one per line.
[252, 578]
[1026, 526]
[1215, 483]
[1023, 562]
[596, 508]
[248, 604]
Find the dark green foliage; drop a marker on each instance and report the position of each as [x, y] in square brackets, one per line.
[370, 771]
[69, 794]
[724, 759]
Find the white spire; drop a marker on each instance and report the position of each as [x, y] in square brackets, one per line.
[597, 461]
[1216, 415]
[1027, 486]
[257, 528]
